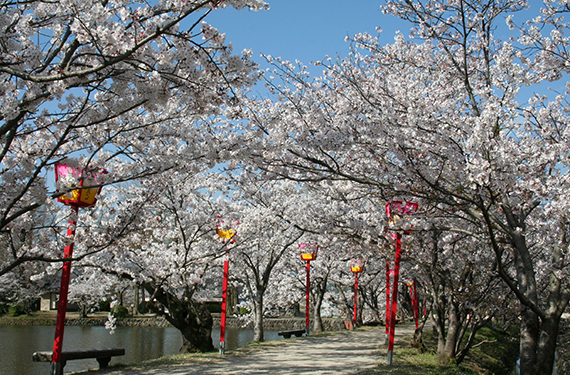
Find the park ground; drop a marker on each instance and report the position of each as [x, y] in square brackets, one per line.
[362, 351]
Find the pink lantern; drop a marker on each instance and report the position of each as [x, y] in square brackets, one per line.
[80, 197]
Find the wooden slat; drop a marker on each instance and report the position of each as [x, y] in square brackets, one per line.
[67, 355]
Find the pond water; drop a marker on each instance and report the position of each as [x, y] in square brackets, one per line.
[18, 343]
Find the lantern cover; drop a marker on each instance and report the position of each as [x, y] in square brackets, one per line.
[308, 251]
[225, 229]
[356, 265]
[81, 197]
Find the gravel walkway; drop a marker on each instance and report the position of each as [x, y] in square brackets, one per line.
[343, 352]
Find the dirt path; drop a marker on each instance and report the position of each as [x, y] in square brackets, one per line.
[338, 353]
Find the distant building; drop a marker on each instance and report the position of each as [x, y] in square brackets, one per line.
[48, 301]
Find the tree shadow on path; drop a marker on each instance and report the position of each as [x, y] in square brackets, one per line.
[343, 352]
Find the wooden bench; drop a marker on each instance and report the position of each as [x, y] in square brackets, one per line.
[103, 355]
[289, 333]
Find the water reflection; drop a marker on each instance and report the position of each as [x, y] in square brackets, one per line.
[17, 343]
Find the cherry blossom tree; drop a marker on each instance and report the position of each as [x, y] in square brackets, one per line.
[270, 213]
[128, 86]
[170, 248]
[466, 294]
[372, 284]
[443, 119]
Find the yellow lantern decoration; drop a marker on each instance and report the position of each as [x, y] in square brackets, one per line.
[357, 265]
[308, 251]
[225, 234]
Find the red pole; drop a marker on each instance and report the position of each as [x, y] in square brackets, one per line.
[57, 365]
[394, 304]
[307, 301]
[416, 312]
[224, 297]
[387, 299]
[355, 299]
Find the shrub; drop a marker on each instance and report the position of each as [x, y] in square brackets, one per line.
[120, 312]
[214, 307]
[15, 310]
[143, 308]
[243, 311]
[104, 306]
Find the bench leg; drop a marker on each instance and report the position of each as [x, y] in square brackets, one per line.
[298, 334]
[287, 336]
[104, 362]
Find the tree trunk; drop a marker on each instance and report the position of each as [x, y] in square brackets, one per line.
[191, 318]
[320, 290]
[195, 323]
[547, 345]
[359, 311]
[528, 341]
[83, 308]
[449, 351]
[529, 320]
[143, 301]
[417, 340]
[439, 318]
[258, 316]
[460, 356]
[317, 319]
[197, 337]
[136, 298]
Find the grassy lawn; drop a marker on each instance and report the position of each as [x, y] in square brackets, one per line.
[495, 355]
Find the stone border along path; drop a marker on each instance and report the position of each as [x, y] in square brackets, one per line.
[342, 352]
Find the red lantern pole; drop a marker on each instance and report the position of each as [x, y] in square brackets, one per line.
[387, 300]
[416, 312]
[57, 365]
[226, 234]
[78, 197]
[394, 304]
[355, 299]
[308, 252]
[307, 300]
[399, 208]
[356, 266]
[224, 303]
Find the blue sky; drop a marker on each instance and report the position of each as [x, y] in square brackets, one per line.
[309, 30]
[306, 30]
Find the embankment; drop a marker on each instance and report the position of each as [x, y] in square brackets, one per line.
[271, 324]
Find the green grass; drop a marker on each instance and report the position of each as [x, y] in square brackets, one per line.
[32, 319]
[411, 361]
[495, 356]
